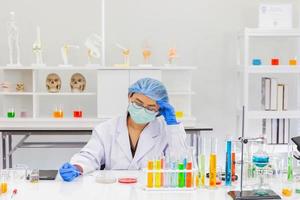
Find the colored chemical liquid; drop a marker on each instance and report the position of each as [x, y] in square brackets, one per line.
[11, 114]
[197, 181]
[233, 165]
[179, 114]
[77, 114]
[150, 174]
[287, 192]
[157, 174]
[212, 170]
[256, 62]
[290, 169]
[201, 170]
[275, 61]
[293, 62]
[58, 114]
[228, 164]
[181, 181]
[3, 188]
[260, 161]
[189, 175]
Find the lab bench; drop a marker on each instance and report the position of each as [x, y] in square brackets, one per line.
[62, 128]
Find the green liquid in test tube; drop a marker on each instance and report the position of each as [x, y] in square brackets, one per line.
[181, 182]
[290, 169]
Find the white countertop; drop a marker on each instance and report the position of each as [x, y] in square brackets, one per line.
[85, 188]
[62, 124]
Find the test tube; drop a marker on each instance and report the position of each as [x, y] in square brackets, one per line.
[174, 178]
[181, 181]
[233, 161]
[189, 175]
[162, 165]
[213, 163]
[3, 183]
[158, 173]
[228, 163]
[290, 175]
[201, 161]
[150, 174]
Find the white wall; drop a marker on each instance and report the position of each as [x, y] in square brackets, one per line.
[204, 32]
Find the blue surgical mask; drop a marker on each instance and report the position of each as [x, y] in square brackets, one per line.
[140, 115]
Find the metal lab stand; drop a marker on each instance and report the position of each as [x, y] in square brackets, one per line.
[8, 149]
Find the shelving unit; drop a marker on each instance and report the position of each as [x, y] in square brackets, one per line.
[104, 97]
[247, 71]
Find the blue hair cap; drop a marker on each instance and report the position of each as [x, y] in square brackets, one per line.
[151, 88]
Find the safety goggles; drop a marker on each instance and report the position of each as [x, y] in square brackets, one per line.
[149, 110]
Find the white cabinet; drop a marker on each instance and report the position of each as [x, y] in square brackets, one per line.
[112, 92]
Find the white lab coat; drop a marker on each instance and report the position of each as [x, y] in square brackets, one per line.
[109, 145]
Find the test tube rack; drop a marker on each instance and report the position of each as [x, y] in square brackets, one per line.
[170, 179]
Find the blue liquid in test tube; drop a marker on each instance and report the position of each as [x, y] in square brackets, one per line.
[228, 164]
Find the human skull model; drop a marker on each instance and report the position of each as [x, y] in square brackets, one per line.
[53, 83]
[20, 87]
[77, 83]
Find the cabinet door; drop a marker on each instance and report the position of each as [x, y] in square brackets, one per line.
[112, 92]
[138, 74]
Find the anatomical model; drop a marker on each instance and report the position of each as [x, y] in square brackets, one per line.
[65, 50]
[125, 53]
[93, 44]
[172, 54]
[37, 48]
[13, 41]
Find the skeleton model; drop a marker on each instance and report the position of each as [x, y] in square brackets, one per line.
[37, 48]
[13, 41]
[53, 83]
[77, 83]
[65, 50]
[93, 44]
[125, 53]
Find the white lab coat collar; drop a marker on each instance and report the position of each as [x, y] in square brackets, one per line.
[147, 140]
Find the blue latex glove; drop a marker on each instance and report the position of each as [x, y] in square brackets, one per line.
[68, 172]
[168, 112]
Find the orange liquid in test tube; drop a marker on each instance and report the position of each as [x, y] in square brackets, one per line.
[189, 175]
[233, 166]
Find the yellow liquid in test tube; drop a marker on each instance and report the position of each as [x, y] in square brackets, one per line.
[3, 188]
[158, 174]
[150, 174]
[213, 170]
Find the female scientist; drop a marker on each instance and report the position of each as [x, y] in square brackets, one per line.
[129, 141]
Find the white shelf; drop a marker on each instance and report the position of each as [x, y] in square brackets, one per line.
[64, 123]
[260, 32]
[98, 68]
[268, 69]
[66, 94]
[16, 93]
[273, 114]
